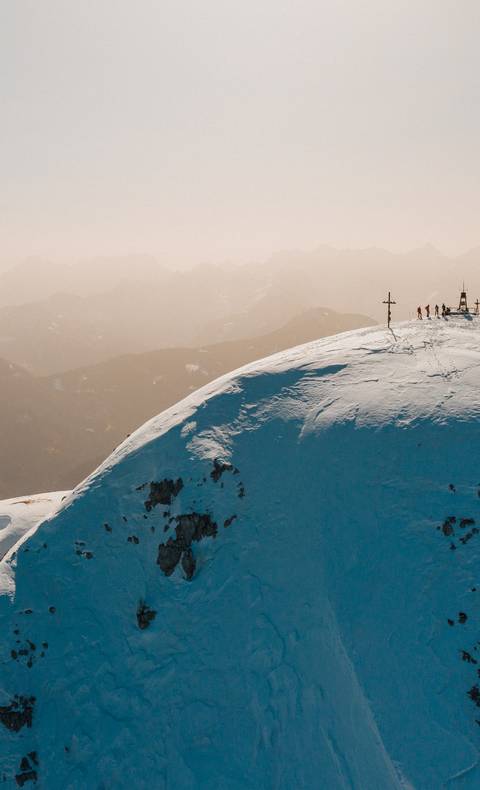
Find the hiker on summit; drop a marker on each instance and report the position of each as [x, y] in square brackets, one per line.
[427, 310]
[419, 313]
[436, 311]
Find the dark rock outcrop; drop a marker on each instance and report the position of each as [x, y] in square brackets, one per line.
[27, 771]
[219, 467]
[188, 564]
[18, 714]
[163, 492]
[191, 528]
[145, 615]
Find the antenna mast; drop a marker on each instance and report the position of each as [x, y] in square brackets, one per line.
[463, 306]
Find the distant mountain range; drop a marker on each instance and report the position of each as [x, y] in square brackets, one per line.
[56, 429]
[56, 317]
[66, 330]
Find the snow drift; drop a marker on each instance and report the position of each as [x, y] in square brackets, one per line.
[19, 515]
[274, 584]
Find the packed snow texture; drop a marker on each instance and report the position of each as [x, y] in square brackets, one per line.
[273, 584]
[19, 515]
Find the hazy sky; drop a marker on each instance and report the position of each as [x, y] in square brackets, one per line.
[212, 129]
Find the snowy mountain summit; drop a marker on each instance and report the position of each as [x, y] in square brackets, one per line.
[273, 584]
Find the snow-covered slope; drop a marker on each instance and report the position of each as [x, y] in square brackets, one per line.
[19, 515]
[274, 584]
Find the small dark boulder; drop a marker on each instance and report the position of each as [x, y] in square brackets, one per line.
[474, 695]
[447, 526]
[27, 773]
[469, 535]
[145, 615]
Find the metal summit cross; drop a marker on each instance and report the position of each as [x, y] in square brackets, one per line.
[389, 301]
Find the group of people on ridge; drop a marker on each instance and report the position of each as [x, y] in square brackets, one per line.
[445, 311]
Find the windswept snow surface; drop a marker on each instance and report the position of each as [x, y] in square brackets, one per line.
[294, 603]
[19, 515]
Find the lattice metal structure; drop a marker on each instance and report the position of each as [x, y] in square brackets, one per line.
[463, 305]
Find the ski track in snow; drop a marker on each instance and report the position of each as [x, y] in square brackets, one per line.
[271, 585]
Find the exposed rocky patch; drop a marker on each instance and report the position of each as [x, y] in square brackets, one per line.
[219, 467]
[18, 714]
[81, 552]
[27, 772]
[26, 652]
[447, 527]
[163, 492]
[191, 528]
[169, 555]
[474, 694]
[145, 615]
[188, 564]
[465, 538]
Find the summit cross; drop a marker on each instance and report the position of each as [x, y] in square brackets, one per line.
[389, 302]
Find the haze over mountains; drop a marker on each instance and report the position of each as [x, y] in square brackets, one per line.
[57, 429]
[92, 349]
[55, 317]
